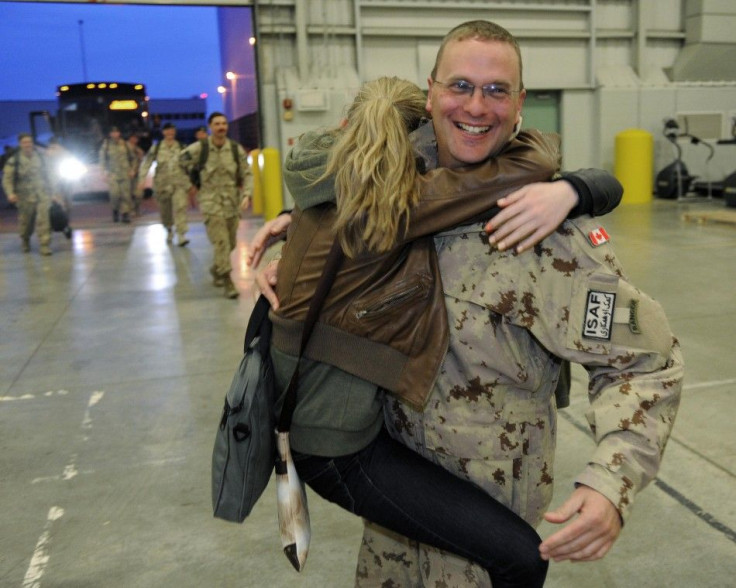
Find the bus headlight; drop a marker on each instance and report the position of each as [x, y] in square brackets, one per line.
[71, 169]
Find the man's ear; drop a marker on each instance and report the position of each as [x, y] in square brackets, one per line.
[428, 105]
[517, 127]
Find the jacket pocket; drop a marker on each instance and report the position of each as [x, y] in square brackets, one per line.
[388, 304]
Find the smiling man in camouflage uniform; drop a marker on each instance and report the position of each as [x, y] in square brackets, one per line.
[226, 179]
[491, 417]
[27, 184]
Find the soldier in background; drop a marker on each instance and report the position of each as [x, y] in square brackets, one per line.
[27, 184]
[200, 133]
[119, 163]
[225, 179]
[136, 194]
[170, 184]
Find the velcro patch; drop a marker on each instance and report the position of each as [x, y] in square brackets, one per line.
[599, 315]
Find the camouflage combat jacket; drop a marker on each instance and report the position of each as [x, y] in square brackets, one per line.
[169, 175]
[31, 183]
[491, 415]
[219, 194]
[118, 159]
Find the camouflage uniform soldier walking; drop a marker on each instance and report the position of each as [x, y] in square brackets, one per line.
[27, 184]
[119, 163]
[225, 178]
[170, 184]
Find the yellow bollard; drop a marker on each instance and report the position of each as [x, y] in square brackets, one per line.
[257, 205]
[269, 161]
[634, 165]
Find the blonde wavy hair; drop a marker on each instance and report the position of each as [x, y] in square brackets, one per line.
[374, 166]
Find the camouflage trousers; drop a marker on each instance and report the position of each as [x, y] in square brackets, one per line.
[388, 559]
[222, 233]
[121, 198]
[172, 205]
[34, 215]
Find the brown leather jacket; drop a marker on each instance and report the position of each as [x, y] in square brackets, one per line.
[384, 319]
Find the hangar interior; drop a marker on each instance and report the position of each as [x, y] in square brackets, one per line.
[593, 68]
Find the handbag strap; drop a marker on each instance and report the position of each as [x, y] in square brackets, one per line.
[334, 259]
[258, 321]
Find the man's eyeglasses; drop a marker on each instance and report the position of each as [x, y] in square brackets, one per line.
[466, 89]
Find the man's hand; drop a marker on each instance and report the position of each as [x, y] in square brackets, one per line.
[531, 213]
[270, 232]
[590, 535]
[12, 198]
[266, 280]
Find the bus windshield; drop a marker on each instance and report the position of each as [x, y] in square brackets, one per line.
[88, 111]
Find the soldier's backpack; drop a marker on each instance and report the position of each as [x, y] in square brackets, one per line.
[204, 152]
[128, 152]
[155, 149]
[16, 166]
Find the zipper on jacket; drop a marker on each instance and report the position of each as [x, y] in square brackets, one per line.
[387, 303]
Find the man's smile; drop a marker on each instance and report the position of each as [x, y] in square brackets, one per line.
[473, 129]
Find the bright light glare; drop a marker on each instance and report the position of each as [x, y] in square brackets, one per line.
[72, 169]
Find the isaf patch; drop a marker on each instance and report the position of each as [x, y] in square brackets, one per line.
[599, 315]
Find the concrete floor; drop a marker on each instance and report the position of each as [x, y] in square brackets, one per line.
[116, 353]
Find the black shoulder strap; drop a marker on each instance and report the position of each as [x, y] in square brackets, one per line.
[204, 153]
[236, 157]
[257, 321]
[334, 259]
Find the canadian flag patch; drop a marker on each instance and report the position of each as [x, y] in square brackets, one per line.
[598, 237]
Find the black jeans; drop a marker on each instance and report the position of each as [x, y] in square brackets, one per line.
[397, 488]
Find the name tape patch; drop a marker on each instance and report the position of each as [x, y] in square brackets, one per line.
[634, 317]
[599, 315]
